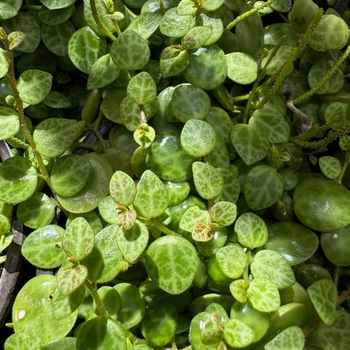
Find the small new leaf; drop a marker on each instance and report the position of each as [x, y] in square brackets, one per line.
[15, 38]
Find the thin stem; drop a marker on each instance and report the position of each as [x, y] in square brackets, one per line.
[244, 15]
[99, 304]
[98, 21]
[20, 109]
[343, 297]
[304, 97]
[156, 224]
[336, 275]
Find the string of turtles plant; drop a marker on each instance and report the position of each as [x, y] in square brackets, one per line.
[187, 225]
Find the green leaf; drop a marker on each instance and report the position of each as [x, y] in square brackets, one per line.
[339, 110]
[263, 295]
[85, 48]
[102, 73]
[173, 61]
[57, 100]
[54, 135]
[54, 17]
[65, 305]
[5, 237]
[186, 7]
[66, 343]
[291, 338]
[273, 125]
[101, 332]
[142, 89]
[122, 188]
[223, 213]
[174, 25]
[177, 191]
[221, 122]
[344, 142]
[33, 308]
[231, 188]
[207, 67]
[9, 122]
[7, 11]
[324, 295]
[78, 240]
[195, 37]
[251, 230]
[271, 265]
[232, 268]
[295, 242]
[146, 24]
[238, 289]
[43, 247]
[144, 135]
[130, 51]
[278, 60]
[4, 62]
[249, 142]
[104, 262]
[211, 5]
[94, 191]
[197, 138]
[18, 179]
[21, 340]
[133, 242]
[207, 180]
[151, 197]
[238, 334]
[34, 85]
[192, 216]
[57, 4]
[211, 21]
[69, 174]
[171, 262]
[133, 305]
[108, 210]
[335, 336]
[70, 277]
[26, 23]
[111, 300]
[282, 6]
[241, 68]
[330, 166]
[56, 37]
[15, 38]
[262, 187]
[36, 211]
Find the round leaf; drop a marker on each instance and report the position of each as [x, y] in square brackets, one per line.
[9, 122]
[36, 211]
[54, 135]
[94, 191]
[207, 67]
[291, 338]
[142, 89]
[324, 295]
[249, 142]
[122, 188]
[207, 180]
[238, 334]
[69, 174]
[85, 48]
[171, 262]
[197, 138]
[43, 247]
[232, 268]
[189, 102]
[130, 51]
[151, 197]
[295, 242]
[193, 216]
[242, 68]
[78, 239]
[223, 213]
[251, 230]
[102, 73]
[18, 179]
[4, 62]
[271, 265]
[70, 277]
[33, 308]
[262, 187]
[263, 295]
[330, 166]
[57, 4]
[133, 242]
[34, 85]
[101, 332]
[174, 25]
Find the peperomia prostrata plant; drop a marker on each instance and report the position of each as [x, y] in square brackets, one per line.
[197, 152]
